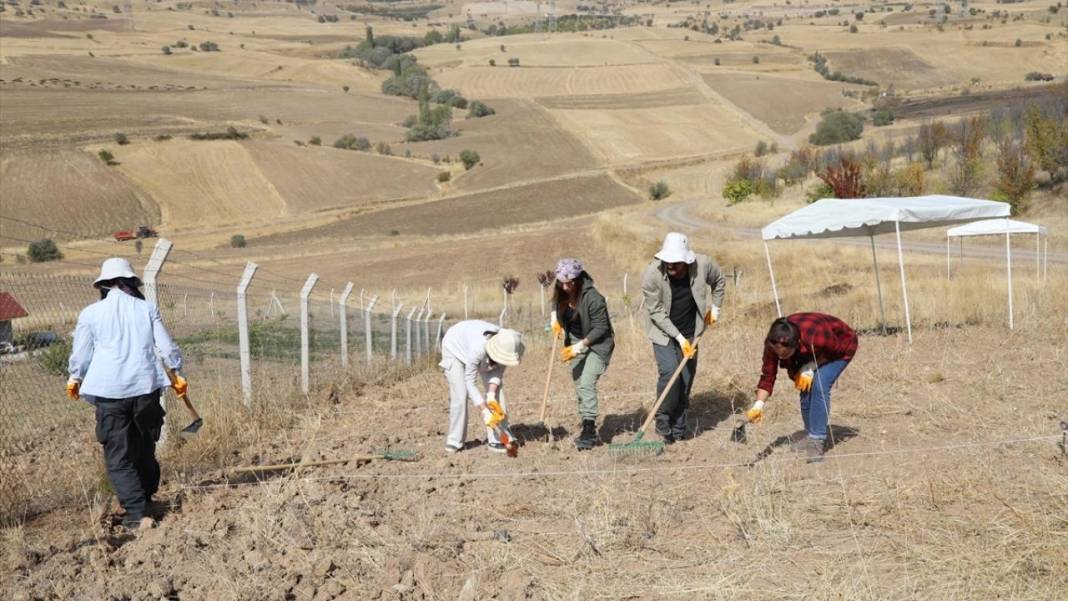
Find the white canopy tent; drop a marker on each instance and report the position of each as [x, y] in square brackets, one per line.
[840, 218]
[997, 227]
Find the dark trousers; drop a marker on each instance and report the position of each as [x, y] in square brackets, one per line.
[128, 430]
[671, 416]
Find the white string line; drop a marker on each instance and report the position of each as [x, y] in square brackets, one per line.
[630, 470]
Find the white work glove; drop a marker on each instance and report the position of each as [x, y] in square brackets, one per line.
[688, 351]
[570, 352]
[803, 382]
[712, 316]
[558, 330]
[755, 413]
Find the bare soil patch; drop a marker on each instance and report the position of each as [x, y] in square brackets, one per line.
[531, 82]
[677, 97]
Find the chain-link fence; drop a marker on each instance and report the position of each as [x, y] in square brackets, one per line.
[238, 368]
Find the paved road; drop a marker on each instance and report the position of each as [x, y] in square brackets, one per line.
[679, 216]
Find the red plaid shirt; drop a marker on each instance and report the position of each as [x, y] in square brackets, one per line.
[826, 336]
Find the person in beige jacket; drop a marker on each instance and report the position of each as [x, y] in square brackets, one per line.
[675, 287]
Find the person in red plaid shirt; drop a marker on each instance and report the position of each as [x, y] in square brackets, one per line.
[815, 348]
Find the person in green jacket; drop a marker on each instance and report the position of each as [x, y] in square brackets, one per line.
[580, 316]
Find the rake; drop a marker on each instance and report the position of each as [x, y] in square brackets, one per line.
[637, 446]
[387, 454]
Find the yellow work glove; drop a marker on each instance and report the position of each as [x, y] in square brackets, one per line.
[688, 349]
[496, 414]
[570, 352]
[755, 413]
[558, 330]
[179, 385]
[712, 316]
[73, 389]
[803, 382]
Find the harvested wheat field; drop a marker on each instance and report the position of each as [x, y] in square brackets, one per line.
[505, 82]
[784, 104]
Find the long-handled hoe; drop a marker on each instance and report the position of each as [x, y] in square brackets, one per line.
[637, 446]
[194, 426]
[548, 380]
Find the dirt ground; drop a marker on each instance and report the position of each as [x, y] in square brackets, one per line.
[945, 482]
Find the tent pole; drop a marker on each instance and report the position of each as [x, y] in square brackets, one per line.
[1008, 270]
[1038, 257]
[774, 289]
[904, 288]
[947, 255]
[878, 285]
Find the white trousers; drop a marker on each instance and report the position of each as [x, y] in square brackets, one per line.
[454, 375]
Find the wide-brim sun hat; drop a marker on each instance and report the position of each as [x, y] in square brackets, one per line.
[115, 267]
[676, 249]
[505, 347]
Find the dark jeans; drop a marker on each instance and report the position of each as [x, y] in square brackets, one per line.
[671, 416]
[128, 430]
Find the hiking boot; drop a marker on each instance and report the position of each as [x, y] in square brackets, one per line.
[814, 451]
[496, 447]
[588, 438]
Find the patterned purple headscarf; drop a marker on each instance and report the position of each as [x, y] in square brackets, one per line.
[568, 269]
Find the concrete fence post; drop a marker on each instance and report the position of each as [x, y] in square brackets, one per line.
[305, 292]
[408, 337]
[343, 319]
[419, 332]
[437, 338]
[368, 332]
[148, 278]
[242, 332]
[393, 329]
[465, 302]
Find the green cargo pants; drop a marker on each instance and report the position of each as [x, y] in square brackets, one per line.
[585, 372]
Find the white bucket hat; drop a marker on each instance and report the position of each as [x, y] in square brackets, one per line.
[505, 347]
[676, 249]
[115, 267]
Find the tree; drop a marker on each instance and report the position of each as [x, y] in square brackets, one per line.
[844, 178]
[167, 50]
[837, 127]
[1047, 141]
[761, 148]
[107, 157]
[882, 117]
[659, 190]
[1016, 174]
[931, 138]
[315, 141]
[44, 250]
[238, 241]
[967, 148]
[121, 139]
[469, 158]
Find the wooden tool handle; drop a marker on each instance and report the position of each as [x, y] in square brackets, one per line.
[667, 389]
[548, 379]
[287, 466]
[185, 397]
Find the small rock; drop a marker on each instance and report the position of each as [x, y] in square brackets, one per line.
[469, 590]
[330, 590]
[162, 587]
[402, 589]
[323, 568]
[408, 579]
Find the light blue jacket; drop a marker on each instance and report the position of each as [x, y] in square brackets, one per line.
[114, 352]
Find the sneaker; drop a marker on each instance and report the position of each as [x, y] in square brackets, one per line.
[496, 447]
[451, 449]
[814, 451]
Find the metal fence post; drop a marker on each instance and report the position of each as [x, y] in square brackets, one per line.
[305, 380]
[242, 332]
[408, 337]
[343, 317]
[437, 339]
[393, 330]
[368, 334]
[153, 267]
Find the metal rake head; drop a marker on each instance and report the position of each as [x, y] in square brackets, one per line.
[637, 447]
[396, 454]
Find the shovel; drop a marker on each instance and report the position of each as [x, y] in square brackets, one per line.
[197, 422]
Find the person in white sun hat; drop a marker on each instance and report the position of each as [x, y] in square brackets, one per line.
[114, 365]
[471, 349]
[679, 308]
